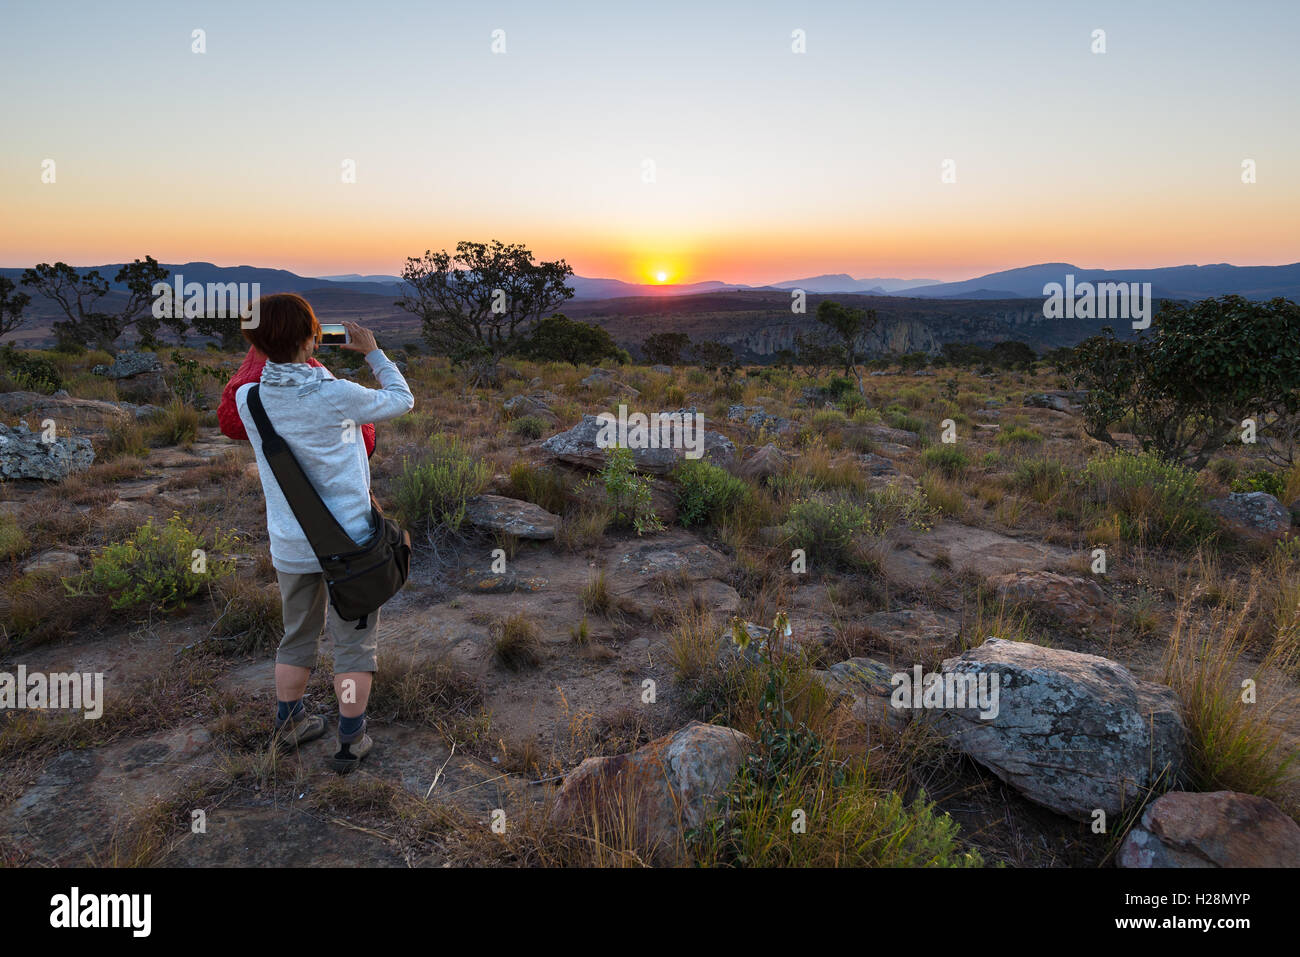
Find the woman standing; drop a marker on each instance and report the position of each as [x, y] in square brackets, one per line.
[318, 416]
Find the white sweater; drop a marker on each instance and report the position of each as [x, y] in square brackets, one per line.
[320, 417]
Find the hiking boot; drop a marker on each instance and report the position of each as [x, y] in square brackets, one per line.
[351, 751]
[293, 731]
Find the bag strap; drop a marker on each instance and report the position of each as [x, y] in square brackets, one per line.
[323, 531]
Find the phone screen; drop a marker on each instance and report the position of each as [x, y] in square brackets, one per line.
[333, 334]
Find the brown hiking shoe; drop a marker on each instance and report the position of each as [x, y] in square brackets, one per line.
[302, 727]
[351, 751]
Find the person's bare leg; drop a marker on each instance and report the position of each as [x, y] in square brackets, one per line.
[291, 682]
[353, 691]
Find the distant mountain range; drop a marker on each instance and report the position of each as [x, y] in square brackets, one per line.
[1171, 282]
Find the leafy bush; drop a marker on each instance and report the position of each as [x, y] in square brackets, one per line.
[1150, 497]
[435, 491]
[628, 493]
[827, 529]
[1274, 483]
[948, 459]
[706, 492]
[32, 373]
[157, 567]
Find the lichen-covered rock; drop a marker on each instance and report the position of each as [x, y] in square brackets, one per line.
[139, 376]
[128, 364]
[25, 455]
[756, 418]
[1216, 829]
[581, 445]
[658, 792]
[1253, 515]
[1072, 732]
[511, 516]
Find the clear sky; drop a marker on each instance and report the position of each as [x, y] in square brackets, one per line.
[768, 164]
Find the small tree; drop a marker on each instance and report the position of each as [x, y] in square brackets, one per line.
[712, 356]
[78, 295]
[1185, 387]
[559, 339]
[481, 300]
[12, 305]
[846, 327]
[665, 348]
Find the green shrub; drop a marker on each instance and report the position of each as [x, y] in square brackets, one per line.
[706, 492]
[946, 458]
[529, 427]
[1151, 497]
[827, 529]
[1019, 434]
[1274, 483]
[31, 372]
[435, 491]
[627, 493]
[159, 567]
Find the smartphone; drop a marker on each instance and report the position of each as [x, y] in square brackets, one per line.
[334, 334]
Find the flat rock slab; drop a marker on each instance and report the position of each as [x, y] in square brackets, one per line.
[963, 547]
[511, 516]
[72, 809]
[582, 445]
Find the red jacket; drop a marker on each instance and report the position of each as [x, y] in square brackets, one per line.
[232, 426]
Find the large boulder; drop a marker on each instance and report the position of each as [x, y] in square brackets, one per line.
[765, 463]
[1078, 601]
[1217, 829]
[139, 376]
[579, 446]
[656, 793]
[511, 516]
[1072, 732]
[68, 412]
[25, 455]
[127, 364]
[1256, 516]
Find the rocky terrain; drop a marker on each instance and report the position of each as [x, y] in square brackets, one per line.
[655, 661]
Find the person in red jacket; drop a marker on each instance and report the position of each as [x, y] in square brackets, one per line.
[232, 426]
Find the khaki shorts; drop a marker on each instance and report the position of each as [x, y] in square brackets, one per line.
[304, 600]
